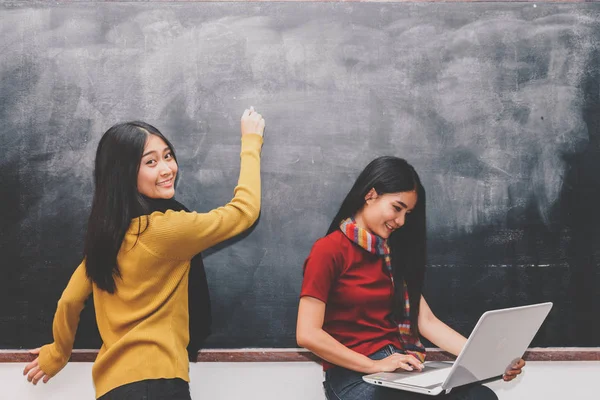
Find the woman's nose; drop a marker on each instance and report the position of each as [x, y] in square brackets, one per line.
[165, 169]
[400, 220]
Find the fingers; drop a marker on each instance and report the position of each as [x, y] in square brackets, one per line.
[34, 371]
[405, 366]
[414, 362]
[37, 377]
[30, 366]
[516, 368]
[406, 362]
[36, 374]
[252, 122]
[251, 115]
[514, 371]
[35, 351]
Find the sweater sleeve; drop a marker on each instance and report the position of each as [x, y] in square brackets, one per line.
[53, 357]
[182, 235]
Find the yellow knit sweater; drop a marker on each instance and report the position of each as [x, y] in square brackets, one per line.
[144, 324]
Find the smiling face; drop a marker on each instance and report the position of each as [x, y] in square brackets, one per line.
[158, 170]
[383, 214]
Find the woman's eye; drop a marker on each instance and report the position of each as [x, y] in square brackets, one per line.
[150, 162]
[397, 208]
[169, 155]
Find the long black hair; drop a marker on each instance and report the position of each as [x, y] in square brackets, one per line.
[116, 198]
[408, 244]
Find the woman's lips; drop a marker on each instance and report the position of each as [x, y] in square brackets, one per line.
[166, 184]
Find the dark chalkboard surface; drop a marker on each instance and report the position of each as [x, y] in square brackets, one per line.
[497, 106]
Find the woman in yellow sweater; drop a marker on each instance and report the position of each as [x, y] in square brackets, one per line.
[137, 263]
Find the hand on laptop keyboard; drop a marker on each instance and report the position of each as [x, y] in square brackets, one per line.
[395, 362]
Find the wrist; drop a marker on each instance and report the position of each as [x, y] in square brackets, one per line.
[251, 141]
[370, 366]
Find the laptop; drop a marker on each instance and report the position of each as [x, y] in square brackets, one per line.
[498, 340]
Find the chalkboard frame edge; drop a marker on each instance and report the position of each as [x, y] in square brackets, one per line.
[301, 355]
[67, 2]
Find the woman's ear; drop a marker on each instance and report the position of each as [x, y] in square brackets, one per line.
[371, 195]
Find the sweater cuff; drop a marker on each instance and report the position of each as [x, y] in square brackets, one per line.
[50, 360]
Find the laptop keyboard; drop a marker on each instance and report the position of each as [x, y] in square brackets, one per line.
[425, 378]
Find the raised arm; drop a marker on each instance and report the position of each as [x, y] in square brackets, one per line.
[54, 356]
[185, 234]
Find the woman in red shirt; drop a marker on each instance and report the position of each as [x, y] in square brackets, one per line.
[361, 304]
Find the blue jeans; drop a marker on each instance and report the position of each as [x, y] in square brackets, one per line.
[344, 384]
[151, 389]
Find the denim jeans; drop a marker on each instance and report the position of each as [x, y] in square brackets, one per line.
[151, 389]
[344, 384]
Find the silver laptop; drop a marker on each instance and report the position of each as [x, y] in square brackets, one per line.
[498, 340]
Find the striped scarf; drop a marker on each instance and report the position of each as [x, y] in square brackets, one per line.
[377, 245]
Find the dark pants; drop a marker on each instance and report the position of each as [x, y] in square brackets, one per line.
[151, 389]
[344, 384]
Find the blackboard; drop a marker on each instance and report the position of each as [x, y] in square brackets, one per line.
[497, 106]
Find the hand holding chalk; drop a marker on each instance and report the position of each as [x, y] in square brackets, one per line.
[252, 122]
